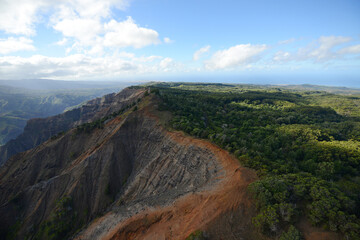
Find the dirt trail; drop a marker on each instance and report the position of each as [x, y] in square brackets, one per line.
[193, 211]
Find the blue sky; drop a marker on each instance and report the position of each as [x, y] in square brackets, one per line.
[279, 41]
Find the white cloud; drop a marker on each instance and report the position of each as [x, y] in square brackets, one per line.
[94, 9]
[281, 56]
[89, 26]
[167, 40]
[148, 59]
[236, 56]
[197, 55]
[85, 30]
[12, 44]
[81, 66]
[86, 25]
[19, 16]
[62, 42]
[324, 51]
[166, 63]
[129, 34]
[350, 50]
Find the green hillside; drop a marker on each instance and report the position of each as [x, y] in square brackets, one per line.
[304, 145]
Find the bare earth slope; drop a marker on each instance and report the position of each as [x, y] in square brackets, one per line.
[132, 166]
[222, 192]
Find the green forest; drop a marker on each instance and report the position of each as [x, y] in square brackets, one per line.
[303, 143]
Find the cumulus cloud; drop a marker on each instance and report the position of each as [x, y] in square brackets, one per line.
[12, 44]
[89, 29]
[239, 55]
[87, 26]
[23, 14]
[84, 30]
[19, 16]
[129, 34]
[197, 55]
[87, 22]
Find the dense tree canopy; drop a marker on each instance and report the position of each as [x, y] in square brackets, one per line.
[305, 147]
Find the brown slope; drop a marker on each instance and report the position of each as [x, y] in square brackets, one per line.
[132, 160]
[224, 195]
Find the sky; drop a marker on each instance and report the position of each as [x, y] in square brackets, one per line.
[254, 41]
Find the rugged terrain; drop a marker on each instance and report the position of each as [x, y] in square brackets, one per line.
[119, 173]
[23, 100]
[131, 170]
[39, 130]
[203, 183]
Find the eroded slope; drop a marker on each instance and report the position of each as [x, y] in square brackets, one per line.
[130, 168]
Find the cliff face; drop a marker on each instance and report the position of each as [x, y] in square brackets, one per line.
[41, 129]
[144, 181]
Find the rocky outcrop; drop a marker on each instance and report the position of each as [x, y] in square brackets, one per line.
[134, 173]
[41, 129]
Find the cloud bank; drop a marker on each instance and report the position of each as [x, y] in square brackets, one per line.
[12, 44]
[80, 66]
[97, 44]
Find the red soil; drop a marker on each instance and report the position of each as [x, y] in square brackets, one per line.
[193, 211]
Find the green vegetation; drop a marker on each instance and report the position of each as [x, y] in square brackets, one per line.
[12, 231]
[197, 235]
[304, 145]
[291, 234]
[61, 223]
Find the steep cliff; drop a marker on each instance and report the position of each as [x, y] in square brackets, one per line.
[41, 129]
[144, 181]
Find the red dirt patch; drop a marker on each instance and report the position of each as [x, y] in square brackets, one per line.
[314, 233]
[193, 211]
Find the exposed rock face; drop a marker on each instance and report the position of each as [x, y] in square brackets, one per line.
[145, 182]
[132, 164]
[41, 129]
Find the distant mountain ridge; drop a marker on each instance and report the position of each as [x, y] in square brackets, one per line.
[17, 105]
[39, 130]
[45, 84]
